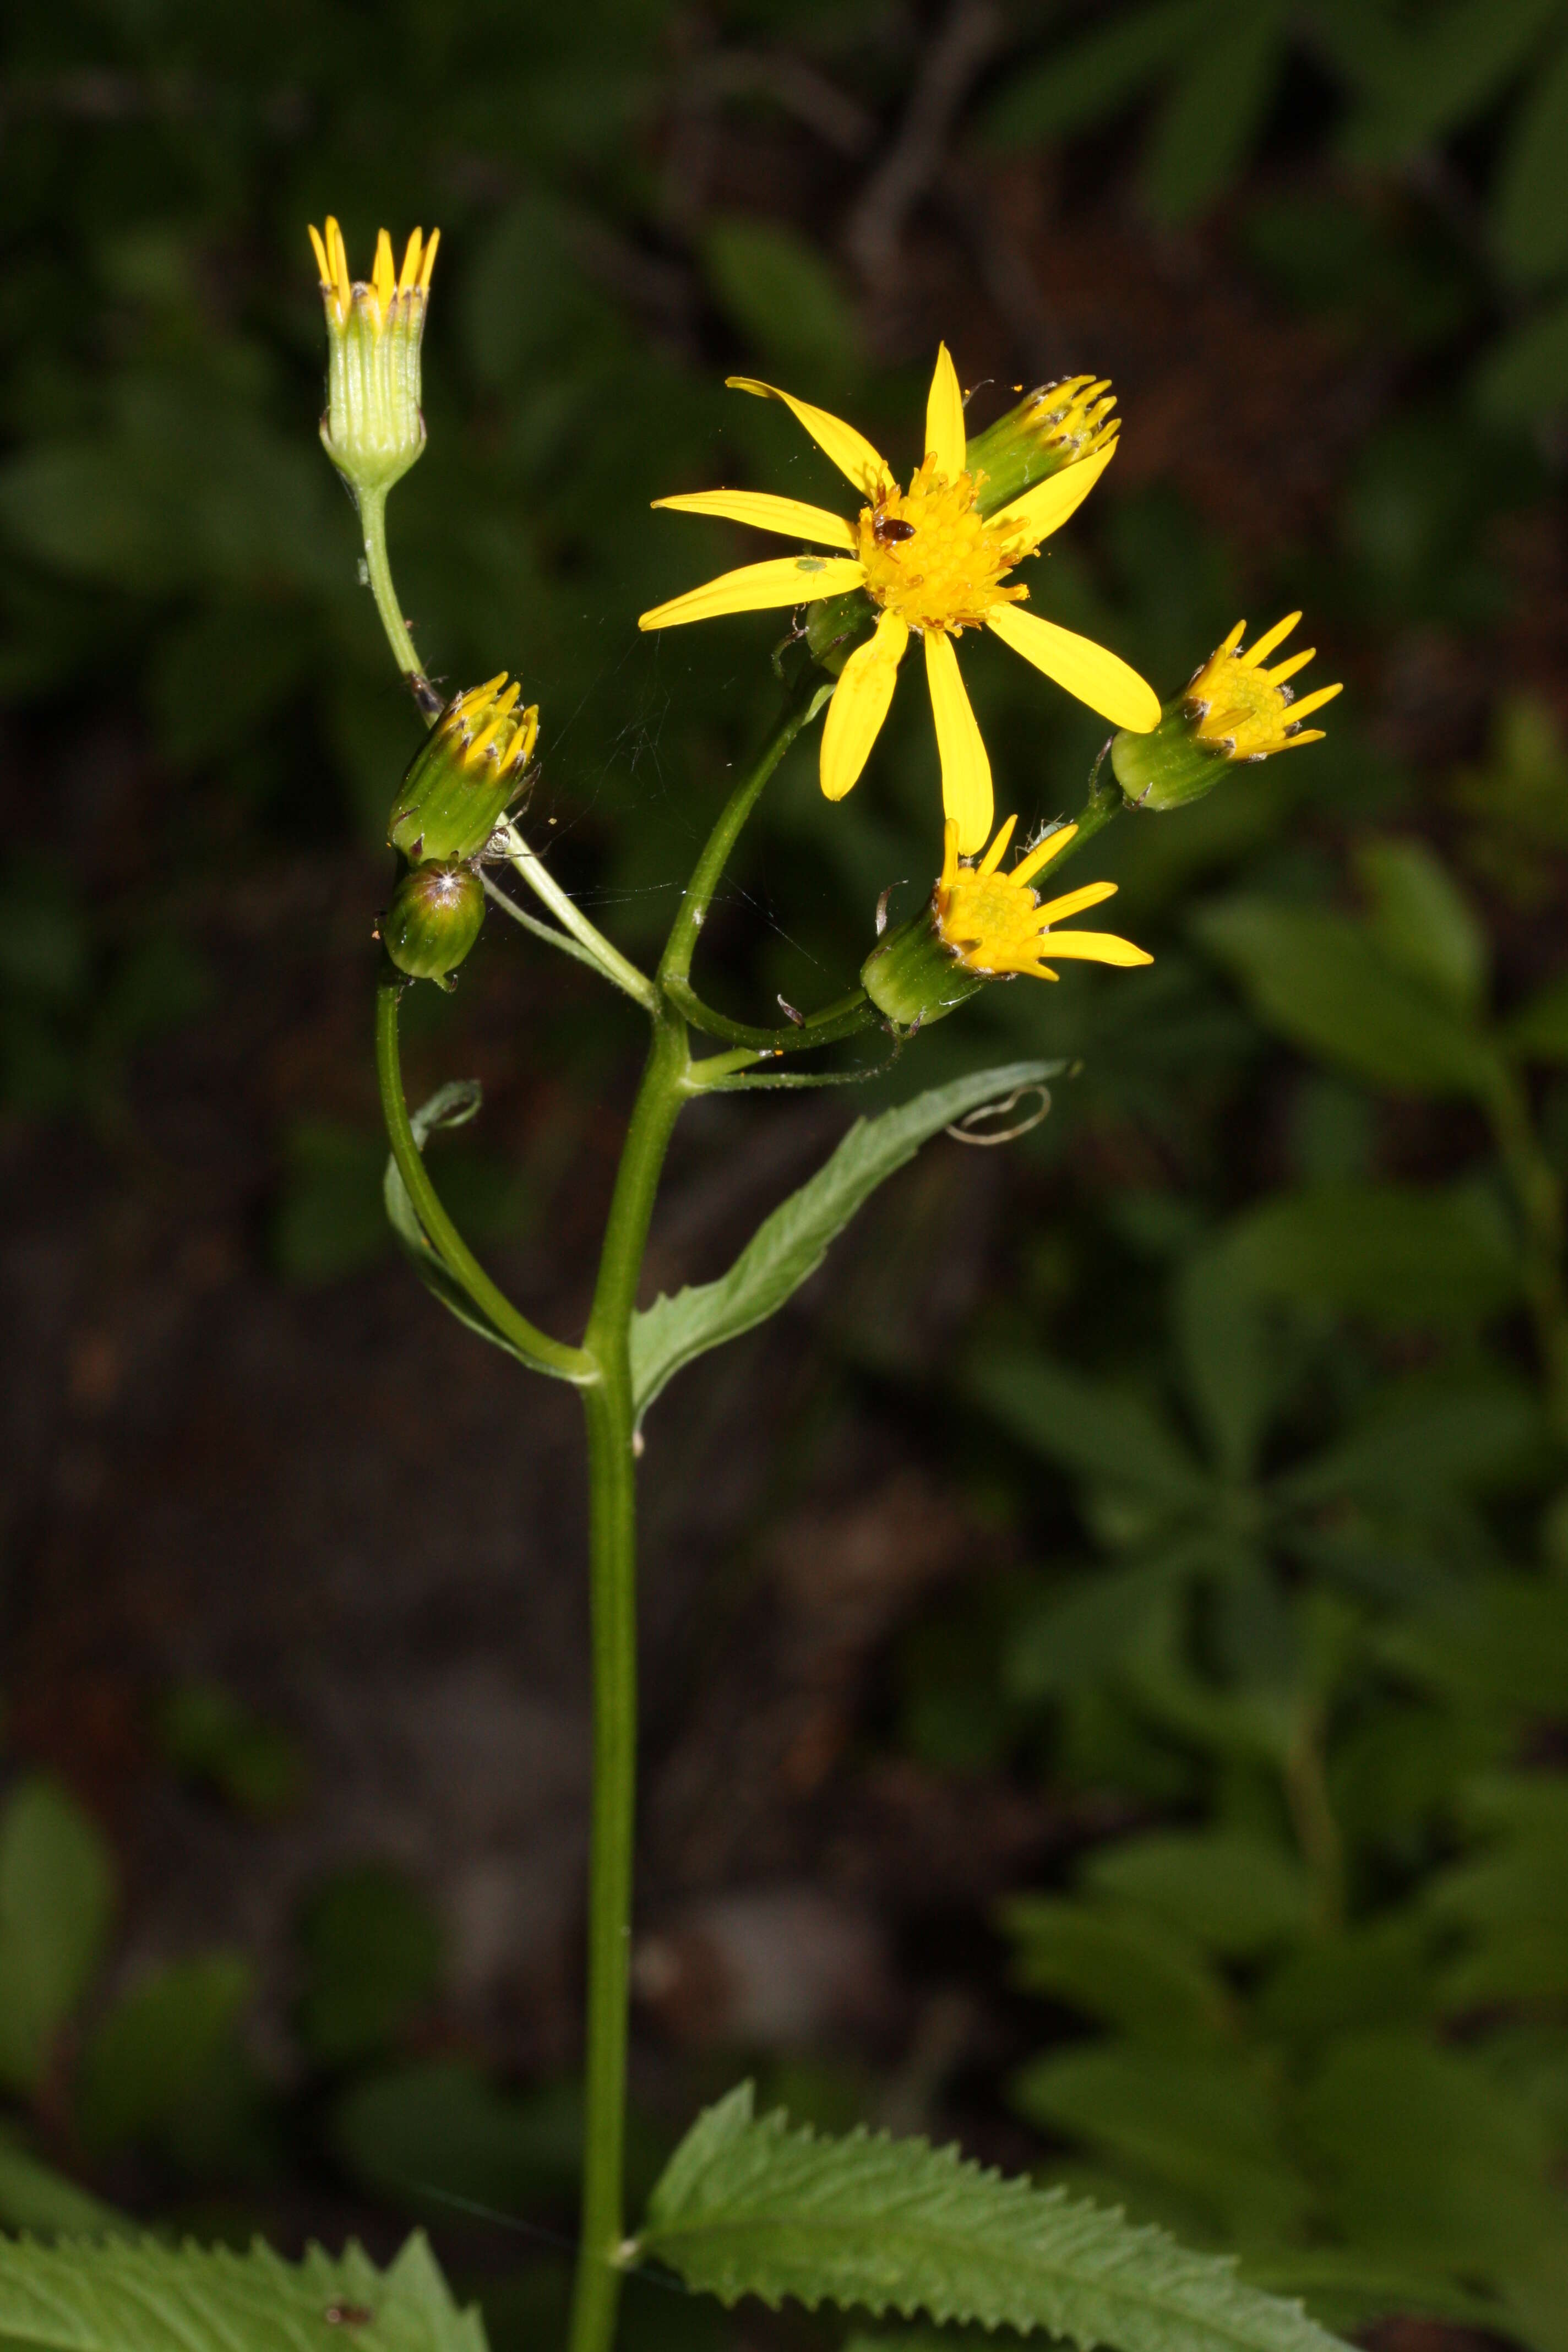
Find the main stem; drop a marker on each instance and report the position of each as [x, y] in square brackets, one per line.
[612, 1539]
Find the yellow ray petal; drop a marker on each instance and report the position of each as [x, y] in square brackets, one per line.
[1091, 894]
[1100, 678]
[410, 276]
[995, 854]
[859, 705]
[1048, 506]
[1310, 702]
[1270, 639]
[1091, 947]
[1044, 851]
[428, 264]
[756, 587]
[793, 517]
[383, 277]
[850, 451]
[945, 436]
[966, 770]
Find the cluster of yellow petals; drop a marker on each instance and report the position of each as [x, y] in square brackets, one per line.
[480, 725]
[1076, 417]
[993, 923]
[386, 285]
[932, 562]
[1247, 712]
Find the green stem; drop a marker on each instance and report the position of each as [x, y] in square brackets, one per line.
[550, 1355]
[373, 525]
[530, 868]
[602, 2247]
[612, 1568]
[844, 1017]
[804, 704]
[1105, 800]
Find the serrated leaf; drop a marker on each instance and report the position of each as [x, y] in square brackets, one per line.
[1319, 979]
[789, 1246]
[110, 2295]
[753, 2207]
[453, 1104]
[56, 1899]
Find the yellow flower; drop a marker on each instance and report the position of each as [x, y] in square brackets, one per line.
[373, 430]
[934, 560]
[993, 923]
[1247, 712]
[982, 925]
[1231, 708]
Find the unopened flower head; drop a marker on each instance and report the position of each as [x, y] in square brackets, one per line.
[1231, 708]
[373, 430]
[932, 561]
[436, 915]
[466, 773]
[1056, 426]
[984, 924]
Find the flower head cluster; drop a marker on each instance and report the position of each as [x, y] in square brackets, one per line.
[373, 430]
[932, 561]
[1232, 708]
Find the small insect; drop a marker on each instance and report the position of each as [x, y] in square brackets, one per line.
[348, 2314]
[889, 531]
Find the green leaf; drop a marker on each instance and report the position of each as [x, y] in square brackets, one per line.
[1321, 980]
[780, 292]
[1232, 1360]
[453, 1104]
[789, 1246]
[1123, 1966]
[56, 1901]
[372, 1946]
[35, 2197]
[1437, 1256]
[1444, 72]
[1524, 377]
[1423, 923]
[1089, 1426]
[425, 2134]
[1233, 1894]
[1200, 2122]
[1090, 81]
[1422, 1448]
[1538, 1030]
[750, 2207]
[156, 2048]
[111, 2297]
[1530, 207]
[1216, 110]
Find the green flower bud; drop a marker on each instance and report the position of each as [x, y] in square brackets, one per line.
[1231, 709]
[913, 976]
[833, 627]
[464, 775]
[1052, 427]
[373, 430]
[436, 916]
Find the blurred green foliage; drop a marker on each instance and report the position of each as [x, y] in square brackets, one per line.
[1287, 1320]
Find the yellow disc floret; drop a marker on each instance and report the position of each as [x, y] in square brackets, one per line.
[931, 558]
[993, 923]
[1246, 712]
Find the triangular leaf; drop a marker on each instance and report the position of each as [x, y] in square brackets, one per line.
[108, 2296]
[750, 2207]
[791, 1244]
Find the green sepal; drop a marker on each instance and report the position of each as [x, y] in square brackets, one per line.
[445, 809]
[833, 626]
[912, 978]
[1171, 765]
[1027, 445]
[436, 915]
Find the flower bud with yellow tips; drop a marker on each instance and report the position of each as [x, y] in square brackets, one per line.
[1052, 428]
[373, 430]
[1232, 708]
[465, 775]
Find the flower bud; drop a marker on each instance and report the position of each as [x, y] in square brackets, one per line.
[1052, 427]
[465, 774]
[1231, 709]
[984, 924]
[436, 916]
[373, 430]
